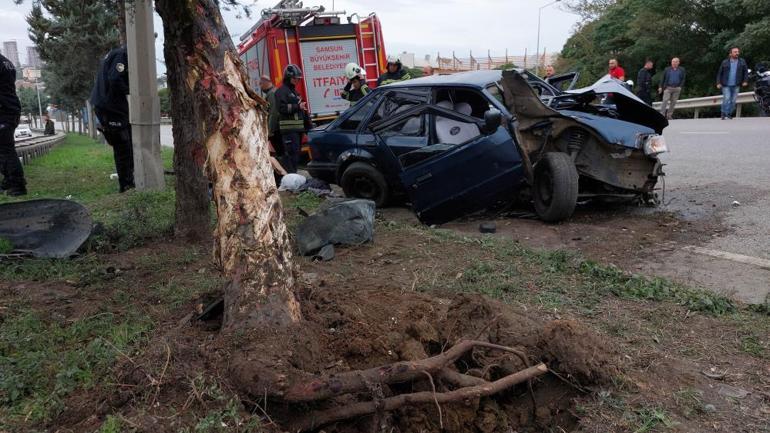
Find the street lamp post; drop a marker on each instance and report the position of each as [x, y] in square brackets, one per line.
[539, 13]
[39, 105]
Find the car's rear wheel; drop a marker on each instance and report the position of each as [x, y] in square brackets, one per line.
[555, 190]
[361, 180]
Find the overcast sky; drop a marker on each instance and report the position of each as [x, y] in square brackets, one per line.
[417, 26]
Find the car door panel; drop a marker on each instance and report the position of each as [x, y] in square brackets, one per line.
[466, 178]
[387, 150]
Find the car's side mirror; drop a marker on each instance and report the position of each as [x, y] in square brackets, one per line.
[492, 120]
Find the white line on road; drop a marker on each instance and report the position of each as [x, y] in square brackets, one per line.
[705, 132]
[740, 258]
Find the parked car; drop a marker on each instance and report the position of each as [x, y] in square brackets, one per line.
[455, 144]
[22, 131]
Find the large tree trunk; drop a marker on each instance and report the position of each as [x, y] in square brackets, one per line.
[192, 219]
[212, 104]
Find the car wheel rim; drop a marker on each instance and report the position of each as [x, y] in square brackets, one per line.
[365, 188]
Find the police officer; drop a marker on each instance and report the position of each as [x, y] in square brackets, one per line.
[292, 117]
[356, 87]
[111, 108]
[13, 182]
[395, 72]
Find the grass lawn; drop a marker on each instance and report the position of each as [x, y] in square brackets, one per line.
[75, 334]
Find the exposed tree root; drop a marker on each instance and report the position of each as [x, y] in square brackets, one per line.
[356, 381]
[441, 366]
[323, 417]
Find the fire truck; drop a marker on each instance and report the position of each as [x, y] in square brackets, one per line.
[318, 42]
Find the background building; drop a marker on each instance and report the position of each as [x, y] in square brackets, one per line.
[33, 58]
[11, 51]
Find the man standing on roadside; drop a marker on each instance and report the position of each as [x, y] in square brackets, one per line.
[549, 72]
[671, 87]
[13, 182]
[616, 71]
[644, 81]
[109, 98]
[733, 72]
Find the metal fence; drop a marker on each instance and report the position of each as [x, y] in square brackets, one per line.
[35, 147]
[472, 63]
[697, 104]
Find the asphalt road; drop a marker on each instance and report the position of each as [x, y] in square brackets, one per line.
[713, 163]
[718, 175]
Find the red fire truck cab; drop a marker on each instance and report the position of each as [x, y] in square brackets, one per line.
[321, 45]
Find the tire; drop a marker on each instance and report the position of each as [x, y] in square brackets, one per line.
[361, 180]
[555, 190]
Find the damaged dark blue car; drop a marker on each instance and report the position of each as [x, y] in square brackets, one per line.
[455, 144]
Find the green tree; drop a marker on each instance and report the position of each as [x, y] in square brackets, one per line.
[699, 32]
[165, 101]
[414, 72]
[72, 36]
[28, 98]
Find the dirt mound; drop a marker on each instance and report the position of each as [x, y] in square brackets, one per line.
[347, 331]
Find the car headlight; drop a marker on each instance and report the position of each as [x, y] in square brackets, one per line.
[655, 145]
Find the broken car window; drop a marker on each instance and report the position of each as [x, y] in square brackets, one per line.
[352, 122]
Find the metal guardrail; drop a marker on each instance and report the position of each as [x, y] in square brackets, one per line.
[35, 147]
[711, 101]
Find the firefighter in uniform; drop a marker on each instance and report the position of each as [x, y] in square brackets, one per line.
[13, 182]
[292, 117]
[356, 87]
[395, 72]
[111, 108]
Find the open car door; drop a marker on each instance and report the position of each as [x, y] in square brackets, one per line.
[469, 165]
[564, 82]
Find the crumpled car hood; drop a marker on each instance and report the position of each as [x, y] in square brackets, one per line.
[629, 106]
[615, 131]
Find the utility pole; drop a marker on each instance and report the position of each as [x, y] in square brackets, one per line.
[537, 53]
[143, 102]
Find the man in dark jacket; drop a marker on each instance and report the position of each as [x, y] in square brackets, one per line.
[644, 82]
[671, 87]
[395, 72]
[49, 128]
[13, 182]
[111, 108]
[733, 72]
[292, 112]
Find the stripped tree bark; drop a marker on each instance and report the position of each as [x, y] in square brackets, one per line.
[213, 106]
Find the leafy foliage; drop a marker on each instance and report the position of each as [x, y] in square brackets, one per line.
[699, 32]
[28, 98]
[72, 36]
[164, 95]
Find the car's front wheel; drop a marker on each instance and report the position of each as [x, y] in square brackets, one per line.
[555, 190]
[361, 180]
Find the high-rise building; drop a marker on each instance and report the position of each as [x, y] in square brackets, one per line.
[33, 58]
[11, 52]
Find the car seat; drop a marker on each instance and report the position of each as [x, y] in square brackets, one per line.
[450, 131]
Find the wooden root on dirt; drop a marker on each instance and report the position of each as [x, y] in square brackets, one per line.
[323, 417]
[468, 387]
[354, 381]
